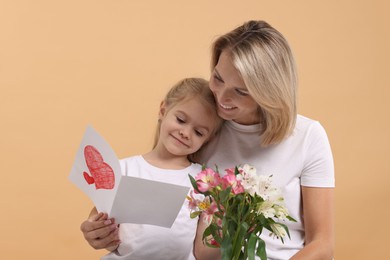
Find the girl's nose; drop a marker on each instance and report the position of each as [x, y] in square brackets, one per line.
[183, 133]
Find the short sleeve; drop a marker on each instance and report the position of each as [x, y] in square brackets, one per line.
[318, 169]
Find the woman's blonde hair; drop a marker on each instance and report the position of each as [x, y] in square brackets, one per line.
[263, 57]
[184, 90]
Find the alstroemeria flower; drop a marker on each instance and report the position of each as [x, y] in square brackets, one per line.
[281, 212]
[208, 209]
[278, 230]
[264, 187]
[192, 201]
[248, 169]
[214, 242]
[229, 179]
[207, 180]
[266, 208]
[248, 178]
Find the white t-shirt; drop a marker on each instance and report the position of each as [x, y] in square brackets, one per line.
[303, 159]
[153, 242]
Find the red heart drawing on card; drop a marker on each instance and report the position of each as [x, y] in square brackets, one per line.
[101, 173]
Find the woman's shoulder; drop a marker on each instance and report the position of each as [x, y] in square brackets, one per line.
[311, 131]
[305, 124]
[303, 120]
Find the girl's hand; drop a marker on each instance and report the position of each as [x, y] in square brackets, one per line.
[101, 231]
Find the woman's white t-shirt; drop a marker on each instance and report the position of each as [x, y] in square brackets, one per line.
[303, 159]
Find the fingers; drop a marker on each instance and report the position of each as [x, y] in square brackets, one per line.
[101, 231]
[99, 216]
[110, 242]
[96, 222]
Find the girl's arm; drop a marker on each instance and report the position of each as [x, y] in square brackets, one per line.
[100, 231]
[319, 224]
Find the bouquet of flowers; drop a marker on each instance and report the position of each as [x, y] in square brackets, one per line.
[236, 208]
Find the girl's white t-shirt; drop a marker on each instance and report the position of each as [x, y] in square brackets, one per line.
[154, 242]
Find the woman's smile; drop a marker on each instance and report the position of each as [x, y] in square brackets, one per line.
[227, 107]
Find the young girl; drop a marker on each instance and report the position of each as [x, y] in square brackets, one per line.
[187, 121]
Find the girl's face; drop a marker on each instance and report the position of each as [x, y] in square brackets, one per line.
[231, 94]
[185, 127]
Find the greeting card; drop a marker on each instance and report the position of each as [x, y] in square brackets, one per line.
[97, 172]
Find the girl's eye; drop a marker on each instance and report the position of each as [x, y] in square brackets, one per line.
[181, 121]
[198, 133]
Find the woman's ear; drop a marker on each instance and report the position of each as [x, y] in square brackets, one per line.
[162, 111]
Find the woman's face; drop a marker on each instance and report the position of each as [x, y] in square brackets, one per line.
[231, 94]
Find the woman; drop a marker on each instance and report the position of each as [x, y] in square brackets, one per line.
[254, 83]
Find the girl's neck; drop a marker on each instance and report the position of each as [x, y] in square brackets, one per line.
[166, 161]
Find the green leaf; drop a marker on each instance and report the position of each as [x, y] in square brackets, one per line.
[251, 246]
[226, 249]
[206, 233]
[260, 252]
[291, 219]
[224, 195]
[195, 214]
[239, 238]
[214, 230]
[194, 184]
[236, 171]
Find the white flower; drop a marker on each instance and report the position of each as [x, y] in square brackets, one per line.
[249, 169]
[248, 178]
[263, 187]
[281, 212]
[278, 230]
[266, 208]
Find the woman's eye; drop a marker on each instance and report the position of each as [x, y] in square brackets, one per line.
[241, 93]
[216, 77]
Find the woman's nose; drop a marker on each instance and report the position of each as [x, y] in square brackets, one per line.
[224, 95]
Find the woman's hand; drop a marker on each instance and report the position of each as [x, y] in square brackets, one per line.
[101, 231]
[201, 251]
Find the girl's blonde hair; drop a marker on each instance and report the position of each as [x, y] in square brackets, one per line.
[184, 90]
[263, 57]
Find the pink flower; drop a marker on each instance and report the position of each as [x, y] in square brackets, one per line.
[192, 202]
[207, 180]
[213, 242]
[230, 180]
[208, 208]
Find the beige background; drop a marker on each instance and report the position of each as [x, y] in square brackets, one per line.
[67, 64]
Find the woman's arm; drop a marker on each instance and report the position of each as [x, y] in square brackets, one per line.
[318, 212]
[100, 231]
[201, 251]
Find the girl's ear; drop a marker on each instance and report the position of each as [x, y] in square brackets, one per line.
[162, 111]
